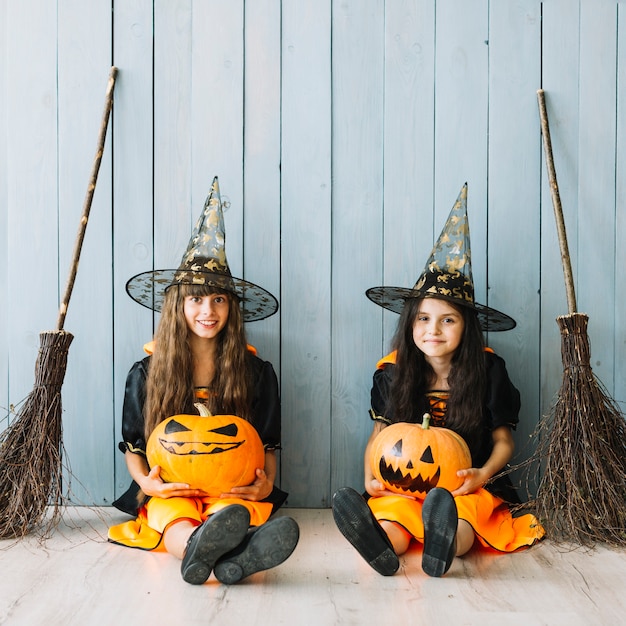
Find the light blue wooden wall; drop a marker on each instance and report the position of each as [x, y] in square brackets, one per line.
[342, 132]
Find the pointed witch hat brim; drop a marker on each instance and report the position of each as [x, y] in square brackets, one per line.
[204, 263]
[447, 274]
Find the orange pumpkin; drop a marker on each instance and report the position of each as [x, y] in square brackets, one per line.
[210, 452]
[413, 458]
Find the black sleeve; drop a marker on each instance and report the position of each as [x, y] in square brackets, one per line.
[503, 398]
[266, 416]
[379, 395]
[132, 412]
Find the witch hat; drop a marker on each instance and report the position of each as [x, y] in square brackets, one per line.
[204, 263]
[447, 274]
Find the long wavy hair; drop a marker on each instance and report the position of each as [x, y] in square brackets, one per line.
[169, 386]
[467, 377]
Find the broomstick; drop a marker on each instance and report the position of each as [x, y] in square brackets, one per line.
[581, 496]
[31, 447]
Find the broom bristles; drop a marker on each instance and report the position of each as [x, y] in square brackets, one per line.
[581, 448]
[31, 447]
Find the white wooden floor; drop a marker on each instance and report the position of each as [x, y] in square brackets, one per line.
[79, 578]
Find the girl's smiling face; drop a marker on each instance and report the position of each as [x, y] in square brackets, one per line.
[438, 328]
[206, 316]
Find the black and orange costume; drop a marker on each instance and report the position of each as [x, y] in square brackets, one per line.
[486, 510]
[155, 514]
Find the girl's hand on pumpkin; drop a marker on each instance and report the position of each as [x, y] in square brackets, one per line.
[376, 489]
[473, 479]
[257, 491]
[153, 485]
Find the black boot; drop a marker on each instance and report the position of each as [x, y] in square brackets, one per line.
[358, 525]
[217, 535]
[263, 548]
[440, 519]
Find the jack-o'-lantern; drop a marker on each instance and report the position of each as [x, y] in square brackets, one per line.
[209, 452]
[411, 459]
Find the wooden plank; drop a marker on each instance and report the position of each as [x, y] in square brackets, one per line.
[261, 163]
[217, 82]
[560, 78]
[408, 230]
[596, 187]
[461, 116]
[84, 61]
[306, 225]
[174, 211]
[4, 230]
[620, 216]
[31, 140]
[358, 115]
[133, 196]
[261, 145]
[514, 266]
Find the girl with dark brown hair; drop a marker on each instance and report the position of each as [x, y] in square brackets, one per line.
[440, 367]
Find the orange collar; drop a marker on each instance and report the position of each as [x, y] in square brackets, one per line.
[391, 359]
[148, 348]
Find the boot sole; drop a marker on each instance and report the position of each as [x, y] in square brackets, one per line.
[440, 519]
[222, 532]
[357, 524]
[268, 546]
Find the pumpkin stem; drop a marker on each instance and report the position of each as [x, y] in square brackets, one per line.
[426, 421]
[202, 409]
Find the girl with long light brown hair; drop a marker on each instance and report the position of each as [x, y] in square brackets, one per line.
[200, 355]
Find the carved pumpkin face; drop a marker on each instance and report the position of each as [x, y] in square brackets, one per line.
[413, 458]
[209, 452]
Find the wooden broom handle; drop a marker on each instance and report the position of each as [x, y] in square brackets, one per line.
[556, 203]
[95, 168]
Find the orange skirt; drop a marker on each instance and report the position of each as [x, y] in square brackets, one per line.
[146, 532]
[488, 515]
